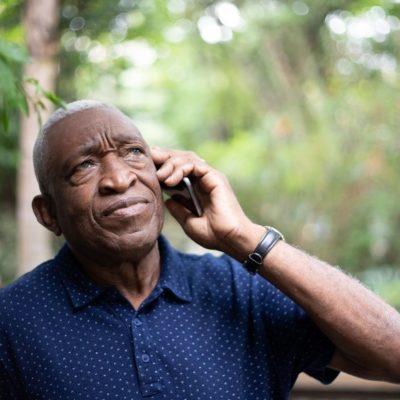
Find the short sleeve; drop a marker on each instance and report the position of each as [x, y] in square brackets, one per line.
[295, 343]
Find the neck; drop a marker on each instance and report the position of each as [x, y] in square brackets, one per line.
[134, 279]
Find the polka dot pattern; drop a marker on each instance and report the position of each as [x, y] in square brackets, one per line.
[209, 330]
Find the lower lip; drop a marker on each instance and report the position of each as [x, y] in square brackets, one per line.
[130, 211]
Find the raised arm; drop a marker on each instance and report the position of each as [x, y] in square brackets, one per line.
[364, 329]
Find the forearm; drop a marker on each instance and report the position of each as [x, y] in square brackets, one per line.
[364, 329]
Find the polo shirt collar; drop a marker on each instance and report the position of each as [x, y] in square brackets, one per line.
[82, 290]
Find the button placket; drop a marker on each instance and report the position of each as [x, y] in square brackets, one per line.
[148, 371]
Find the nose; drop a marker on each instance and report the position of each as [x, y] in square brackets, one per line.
[116, 176]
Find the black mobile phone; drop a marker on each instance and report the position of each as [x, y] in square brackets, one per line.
[184, 193]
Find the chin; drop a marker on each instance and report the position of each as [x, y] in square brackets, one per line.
[134, 244]
[120, 241]
[126, 248]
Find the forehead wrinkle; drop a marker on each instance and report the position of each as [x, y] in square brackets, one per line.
[105, 135]
[112, 134]
[106, 141]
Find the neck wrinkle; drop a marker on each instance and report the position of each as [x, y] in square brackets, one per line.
[133, 279]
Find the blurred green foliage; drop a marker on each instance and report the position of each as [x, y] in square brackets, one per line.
[296, 101]
[12, 99]
[11, 91]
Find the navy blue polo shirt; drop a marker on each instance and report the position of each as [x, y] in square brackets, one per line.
[209, 330]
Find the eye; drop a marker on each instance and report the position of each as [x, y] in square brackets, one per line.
[136, 151]
[82, 170]
[86, 164]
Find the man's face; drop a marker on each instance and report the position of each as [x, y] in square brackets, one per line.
[103, 184]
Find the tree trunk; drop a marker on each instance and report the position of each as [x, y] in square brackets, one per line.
[41, 18]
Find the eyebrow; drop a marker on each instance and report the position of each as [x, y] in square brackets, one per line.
[92, 148]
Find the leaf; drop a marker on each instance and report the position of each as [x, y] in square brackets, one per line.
[33, 81]
[4, 119]
[12, 53]
[54, 99]
[40, 105]
[24, 107]
[7, 81]
[12, 96]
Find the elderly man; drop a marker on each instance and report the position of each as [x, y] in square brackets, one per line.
[120, 314]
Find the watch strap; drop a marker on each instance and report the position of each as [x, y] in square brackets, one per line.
[255, 259]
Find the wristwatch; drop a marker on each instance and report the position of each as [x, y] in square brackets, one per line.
[255, 259]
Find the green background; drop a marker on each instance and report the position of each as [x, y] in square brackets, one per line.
[297, 102]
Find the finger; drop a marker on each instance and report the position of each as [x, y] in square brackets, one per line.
[173, 170]
[159, 155]
[179, 212]
[173, 165]
[178, 172]
[208, 179]
[164, 171]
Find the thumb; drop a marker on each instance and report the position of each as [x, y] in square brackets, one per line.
[179, 212]
[196, 228]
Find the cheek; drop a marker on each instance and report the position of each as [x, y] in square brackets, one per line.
[160, 209]
[153, 184]
[156, 189]
[73, 206]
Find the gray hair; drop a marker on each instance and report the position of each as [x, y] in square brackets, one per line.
[40, 148]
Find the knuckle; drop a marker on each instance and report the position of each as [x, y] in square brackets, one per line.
[217, 175]
[189, 156]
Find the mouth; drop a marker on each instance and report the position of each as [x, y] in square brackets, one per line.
[125, 207]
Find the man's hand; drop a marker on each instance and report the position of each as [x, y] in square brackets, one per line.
[223, 225]
[363, 328]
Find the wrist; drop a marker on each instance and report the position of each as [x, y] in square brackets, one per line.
[255, 259]
[243, 241]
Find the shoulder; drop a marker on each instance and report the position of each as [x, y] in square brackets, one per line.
[38, 276]
[28, 289]
[212, 266]
[225, 278]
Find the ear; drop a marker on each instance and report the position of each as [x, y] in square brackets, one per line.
[44, 213]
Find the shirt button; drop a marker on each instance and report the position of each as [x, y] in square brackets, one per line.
[137, 322]
[145, 358]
